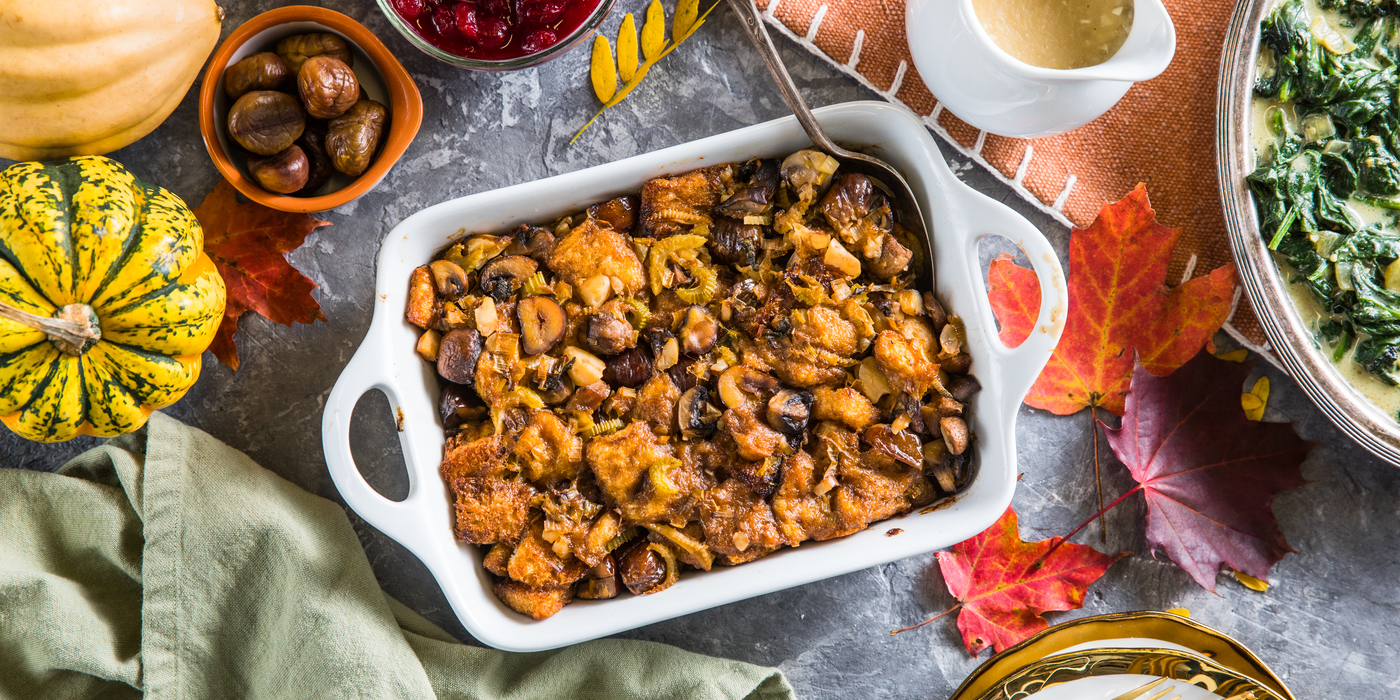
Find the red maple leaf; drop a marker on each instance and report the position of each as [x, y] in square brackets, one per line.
[1208, 473]
[1015, 295]
[1118, 303]
[248, 243]
[1003, 586]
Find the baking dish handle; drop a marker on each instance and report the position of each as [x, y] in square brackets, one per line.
[366, 371]
[1022, 364]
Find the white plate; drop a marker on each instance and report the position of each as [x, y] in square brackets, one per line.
[957, 215]
[1109, 687]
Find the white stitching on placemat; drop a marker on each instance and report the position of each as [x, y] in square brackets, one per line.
[1064, 194]
[816, 22]
[855, 49]
[772, 7]
[1191, 268]
[898, 81]
[1024, 166]
[981, 141]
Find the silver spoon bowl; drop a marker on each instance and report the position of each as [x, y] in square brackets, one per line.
[905, 205]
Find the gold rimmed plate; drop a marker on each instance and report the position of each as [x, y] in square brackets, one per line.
[1061, 669]
[1147, 625]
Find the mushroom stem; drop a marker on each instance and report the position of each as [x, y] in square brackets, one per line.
[74, 331]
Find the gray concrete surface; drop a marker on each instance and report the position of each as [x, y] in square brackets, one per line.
[1328, 625]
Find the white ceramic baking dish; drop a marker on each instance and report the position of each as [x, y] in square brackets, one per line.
[957, 215]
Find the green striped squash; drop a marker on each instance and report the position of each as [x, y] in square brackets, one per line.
[84, 240]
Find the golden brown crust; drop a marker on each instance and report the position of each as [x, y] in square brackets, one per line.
[480, 457]
[490, 509]
[845, 405]
[671, 205]
[548, 450]
[656, 403]
[620, 460]
[423, 308]
[535, 563]
[738, 524]
[591, 249]
[538, 603]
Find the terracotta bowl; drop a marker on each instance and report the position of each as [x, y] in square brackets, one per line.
[381, 76]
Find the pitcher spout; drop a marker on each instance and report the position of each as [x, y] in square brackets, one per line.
[1147, 51]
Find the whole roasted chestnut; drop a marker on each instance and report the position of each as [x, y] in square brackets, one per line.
[294, 50]
[313, 144]
[283, 173]
[260, 71]
[354, 136]
[266, 122]
[328, 87]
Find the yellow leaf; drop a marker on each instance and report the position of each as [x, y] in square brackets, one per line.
[1255, 401]
[654, 31]
[627, 48]
[602, 69]
[1252, 583]
[1234, 355]
[1180, 611]
[684, 19]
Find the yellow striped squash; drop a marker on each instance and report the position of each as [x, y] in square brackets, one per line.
[84, 240]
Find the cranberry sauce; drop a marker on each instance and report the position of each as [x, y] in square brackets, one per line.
[494, 30]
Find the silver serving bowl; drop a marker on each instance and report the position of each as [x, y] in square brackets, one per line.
[1264, 281]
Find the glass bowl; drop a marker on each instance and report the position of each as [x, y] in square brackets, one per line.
[568, 42]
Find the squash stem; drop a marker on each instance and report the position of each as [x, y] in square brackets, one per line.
[71, 336]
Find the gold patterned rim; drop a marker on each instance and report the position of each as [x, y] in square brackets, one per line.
[1145, 624]
[1112, 661]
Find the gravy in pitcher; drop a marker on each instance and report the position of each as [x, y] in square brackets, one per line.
[1057, 33]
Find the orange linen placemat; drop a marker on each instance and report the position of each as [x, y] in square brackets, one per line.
[1161, 133]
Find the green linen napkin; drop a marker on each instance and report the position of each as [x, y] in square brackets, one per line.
[168, 563]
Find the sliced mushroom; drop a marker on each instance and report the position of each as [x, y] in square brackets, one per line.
[458, 404]
[695, 414]
[933, 310]
[505, 275]
[733, 242]
[957, 364]
[955, 434]
[947, 406]
[907, 408]
[936, 462]
[807, 169]
[630, 368]
[532, 242]
[741, 384]
[457, 356]
[851, 197]
[894, 259]
[789, 411]
[449, 279]
[601, 582]
[620, 213]
[754, 197]
[557, 390]
[963, 387]
[607, 334]
[542, 323]
[699, 332]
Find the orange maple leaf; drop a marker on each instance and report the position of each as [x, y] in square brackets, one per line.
[1003, 584]
[1015, 295]
[1119, 303]
[248, 243]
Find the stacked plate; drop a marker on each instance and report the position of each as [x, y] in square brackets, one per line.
[1109, 656]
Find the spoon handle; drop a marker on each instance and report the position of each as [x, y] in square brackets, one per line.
[753, 24]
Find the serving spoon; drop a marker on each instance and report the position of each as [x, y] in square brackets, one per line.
[911, 217]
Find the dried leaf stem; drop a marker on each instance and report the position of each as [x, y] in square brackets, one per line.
[654, 47]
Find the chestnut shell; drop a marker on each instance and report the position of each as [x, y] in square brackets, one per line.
[294, 50]
[327, 86]
[266, 122]
[259, 71]
[354, 136]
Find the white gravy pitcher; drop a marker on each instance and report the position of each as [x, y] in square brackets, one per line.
[993, 91]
